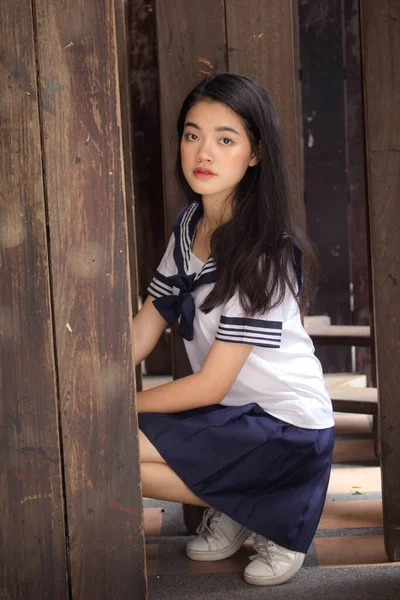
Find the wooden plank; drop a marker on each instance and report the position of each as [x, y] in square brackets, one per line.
[380, 26]
[299, 108]
[367, 395]
[126, 119]
[147, 166]
[355, 160]
[340, 335]
[84, 169]
[191, 35]
[260, 44]
[321, 42]
[32, 540]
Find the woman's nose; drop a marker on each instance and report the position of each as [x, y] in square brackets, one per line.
[204, 152]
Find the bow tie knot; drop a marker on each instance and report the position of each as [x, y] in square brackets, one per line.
[179, 305]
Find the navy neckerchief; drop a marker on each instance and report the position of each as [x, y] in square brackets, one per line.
[182, 305]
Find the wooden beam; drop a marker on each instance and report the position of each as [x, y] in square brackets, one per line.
[147, 165]
[380, 26]
[33, 556]
[86, 196]
[260, 42]
[326, 186]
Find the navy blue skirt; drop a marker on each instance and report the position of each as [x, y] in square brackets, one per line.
[268, 475]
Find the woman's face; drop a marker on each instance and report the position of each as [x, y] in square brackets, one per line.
[215, 150]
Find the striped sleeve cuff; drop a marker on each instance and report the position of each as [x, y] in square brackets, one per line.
[159, 286]
[257, 332]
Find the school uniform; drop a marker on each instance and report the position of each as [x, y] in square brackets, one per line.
[263, 455]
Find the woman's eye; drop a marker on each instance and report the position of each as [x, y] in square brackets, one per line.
[226, 141]
[191, 137]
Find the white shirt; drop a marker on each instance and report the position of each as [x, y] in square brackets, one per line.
[281, 374]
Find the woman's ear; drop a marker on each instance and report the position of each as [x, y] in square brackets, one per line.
[255, 157]
[253, 160]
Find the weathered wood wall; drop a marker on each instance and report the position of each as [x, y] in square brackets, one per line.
[381, 63]
[326, 186]
[67, 370]
[84, 178]
[32, 541]
[260, 37]
[147, 169]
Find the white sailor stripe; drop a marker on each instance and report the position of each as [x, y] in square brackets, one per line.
[246, 328]
[161, 288]
[243, 335]
[162, 285]
[240, 340]
[208, 267]
[185, 237]
[154, 292]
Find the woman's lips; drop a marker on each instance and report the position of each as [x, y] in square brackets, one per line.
[203, 173]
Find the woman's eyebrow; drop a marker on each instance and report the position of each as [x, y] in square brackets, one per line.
[191, 124]
[224, 128]
[227, 129]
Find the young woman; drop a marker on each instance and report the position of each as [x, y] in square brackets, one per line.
[250, 434]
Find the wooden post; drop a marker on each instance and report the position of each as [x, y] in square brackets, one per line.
[356, 176]
[380, 26]
[89, 255]
[147, 166]
[33, 548]
[260, 39]
[326, 185]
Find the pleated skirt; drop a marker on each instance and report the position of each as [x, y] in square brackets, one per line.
[266, 474]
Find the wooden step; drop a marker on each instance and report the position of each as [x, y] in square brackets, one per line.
[340, 335]
[346, 398]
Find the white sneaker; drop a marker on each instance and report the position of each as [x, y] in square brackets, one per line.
[218, 537]
[272, 564]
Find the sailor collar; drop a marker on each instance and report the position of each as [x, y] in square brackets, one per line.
[181, 306]
[185, 230]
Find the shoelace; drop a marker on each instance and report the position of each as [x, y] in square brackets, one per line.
[210, 517]
[262, 546]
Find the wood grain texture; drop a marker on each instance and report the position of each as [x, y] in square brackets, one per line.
[84, 172]
[380, 26]
[191, 37]
[123, 48]
[260, 43]
[321, 43]
[147, 165]
[356, 177]
[126, 119]
[32, 537]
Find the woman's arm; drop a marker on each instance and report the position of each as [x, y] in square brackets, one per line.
[148, 326]
[209, 386]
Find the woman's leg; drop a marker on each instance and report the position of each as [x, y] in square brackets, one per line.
[159, 481]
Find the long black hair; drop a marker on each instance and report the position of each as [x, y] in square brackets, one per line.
[258, 242]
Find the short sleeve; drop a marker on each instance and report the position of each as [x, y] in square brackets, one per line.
[159, 285]
[262, 330]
